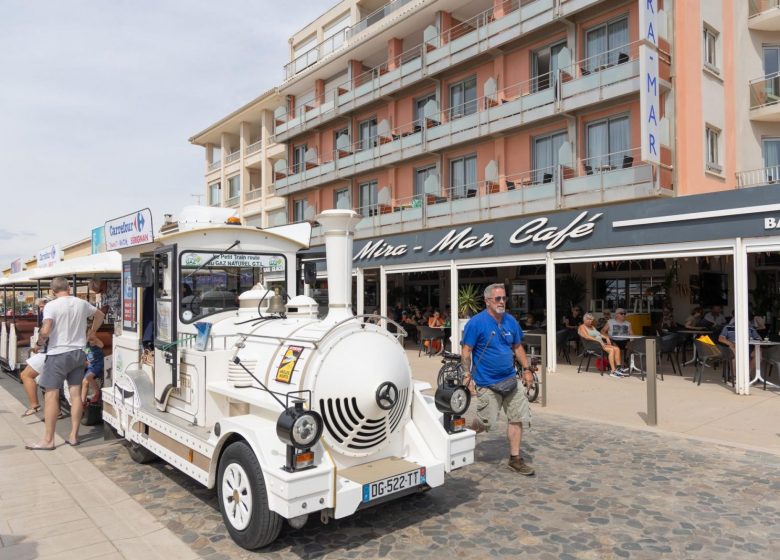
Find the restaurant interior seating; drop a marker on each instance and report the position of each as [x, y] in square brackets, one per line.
[591, 349]
[667, 346]
[562, 343]
[429, 334]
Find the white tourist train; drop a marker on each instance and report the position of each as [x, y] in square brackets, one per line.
[246, 390]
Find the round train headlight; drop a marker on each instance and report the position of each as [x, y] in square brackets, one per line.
[298, 427]
[451, 398]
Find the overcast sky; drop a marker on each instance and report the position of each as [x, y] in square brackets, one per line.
[99, 97]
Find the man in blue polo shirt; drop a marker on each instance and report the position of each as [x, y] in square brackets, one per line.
[492, 340]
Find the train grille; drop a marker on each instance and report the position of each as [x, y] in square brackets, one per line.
[350, 428]
[237, 376]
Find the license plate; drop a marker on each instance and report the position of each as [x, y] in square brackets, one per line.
[393, 484]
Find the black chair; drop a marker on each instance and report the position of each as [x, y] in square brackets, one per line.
[510, 185]
[628, 161]
[667, 346]
[589, 170]
[547, 178]
[584, 71]
[622, 58]
[706, 356]
[771, 359]
[562, 342]
[471, 193]
[429, 334]
[591, 349]
[638, 350]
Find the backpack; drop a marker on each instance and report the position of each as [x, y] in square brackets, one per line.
[602, 364]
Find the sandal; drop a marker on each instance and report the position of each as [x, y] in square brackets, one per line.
[32, 410]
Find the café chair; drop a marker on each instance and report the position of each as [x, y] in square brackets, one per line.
[770, 357]
[591, 349]
[429, 334]
[562, 342]
[707, 355]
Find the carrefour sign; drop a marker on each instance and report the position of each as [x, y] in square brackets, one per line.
[130, 230]
[48, 257]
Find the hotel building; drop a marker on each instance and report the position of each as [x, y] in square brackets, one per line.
[445, 122]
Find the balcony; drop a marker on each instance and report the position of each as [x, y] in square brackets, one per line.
[609, 75]
[599, 180]
[764, 15]
[214, 166]
[757, 177]
[253, 148]
[765, 98]
[233, 201]
[254, 193]
[233, 157]
[479, 35]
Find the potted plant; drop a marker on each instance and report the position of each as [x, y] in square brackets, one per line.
[570, 291]
[469, 301]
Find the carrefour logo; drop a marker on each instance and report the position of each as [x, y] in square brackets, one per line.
[139, 222]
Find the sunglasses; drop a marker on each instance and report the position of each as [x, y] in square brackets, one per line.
[499, 298]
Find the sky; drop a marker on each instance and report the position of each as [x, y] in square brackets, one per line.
[98, 99]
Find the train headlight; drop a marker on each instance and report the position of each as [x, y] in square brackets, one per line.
[298, 427]
[452, 398]
[299, 430]
[452, 401]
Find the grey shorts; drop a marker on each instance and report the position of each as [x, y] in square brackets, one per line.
[515, 405]
[60, 367]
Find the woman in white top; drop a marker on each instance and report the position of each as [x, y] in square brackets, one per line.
[588, 331]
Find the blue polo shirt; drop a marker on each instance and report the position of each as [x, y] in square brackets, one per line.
[492, 357]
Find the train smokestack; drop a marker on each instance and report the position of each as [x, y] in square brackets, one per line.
[338, 227]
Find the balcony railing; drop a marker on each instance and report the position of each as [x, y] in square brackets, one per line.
[537, 190]
[214, 165]
[376, 16]
[536, 99]
[270, 190]
[317, 52]
[765, 91]
[254, 147]
[758, 7]
[254, 193]
[233, 201]
[756, 177]
[234, 156]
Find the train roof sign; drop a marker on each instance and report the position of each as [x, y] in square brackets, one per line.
[130, 230]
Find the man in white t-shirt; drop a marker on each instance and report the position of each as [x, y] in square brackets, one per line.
[64, 333]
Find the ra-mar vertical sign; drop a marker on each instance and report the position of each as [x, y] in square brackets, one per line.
[649, 99]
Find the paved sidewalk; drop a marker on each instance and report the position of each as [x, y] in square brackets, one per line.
[58, 505]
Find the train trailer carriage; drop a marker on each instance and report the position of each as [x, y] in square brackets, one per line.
[20, 321]
[222, 371]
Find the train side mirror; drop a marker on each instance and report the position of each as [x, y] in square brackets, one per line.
[141, 273]
[310, 273]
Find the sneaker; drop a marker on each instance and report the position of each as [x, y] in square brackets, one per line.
[517, 465]
[624, 371]
[615, 374]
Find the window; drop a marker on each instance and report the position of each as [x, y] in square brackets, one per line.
[771, 71]
[299, 156]
[419, 108]
[234, 186]
[367, 134]
[367, 198]
[463, 176]
[711, 140]
[341, 199]
[463, 98]
[214, 192]
[710, 48]
[545, 157]
[212, 287]
[545, 67]
[608, 143]
[771, 149]
[420, 176]
[298, 207]
[605, 44]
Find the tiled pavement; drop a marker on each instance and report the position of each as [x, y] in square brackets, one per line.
[601, 491]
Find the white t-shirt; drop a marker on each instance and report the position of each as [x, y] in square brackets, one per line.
[69, 315]
[618, 329]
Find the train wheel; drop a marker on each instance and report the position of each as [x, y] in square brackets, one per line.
[139, 453]
[243, 500]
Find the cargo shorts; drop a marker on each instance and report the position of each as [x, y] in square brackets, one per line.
[61, 367]
[515, 405]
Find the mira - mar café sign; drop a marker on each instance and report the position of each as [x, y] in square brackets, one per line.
[725, 215]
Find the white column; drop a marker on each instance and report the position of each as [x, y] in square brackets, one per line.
[382, 294]
[454, 312]
[552, 314]
[361, 291]
[742, 375]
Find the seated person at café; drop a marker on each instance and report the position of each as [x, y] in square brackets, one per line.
[757, 322]
[606, 316]
[715, 317]
[435, 321]
[694, 321]
[618, 326]
[410, 325]
[528, 323]
[667, 319]
[588, 331]
[728, 337]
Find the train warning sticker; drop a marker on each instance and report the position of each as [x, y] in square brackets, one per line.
[285, 370]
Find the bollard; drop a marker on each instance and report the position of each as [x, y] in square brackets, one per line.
[652, 395]
[543, 367]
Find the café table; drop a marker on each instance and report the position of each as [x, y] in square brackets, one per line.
[758, 345]
[625, 339]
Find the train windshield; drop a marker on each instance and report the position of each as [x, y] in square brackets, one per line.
[210, 282]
